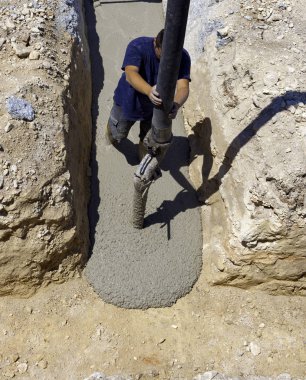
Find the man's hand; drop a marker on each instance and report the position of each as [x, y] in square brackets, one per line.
[173, 112]
[154, 96]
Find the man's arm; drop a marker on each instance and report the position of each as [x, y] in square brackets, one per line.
[182, 91]
[181, 95]
[135, 80]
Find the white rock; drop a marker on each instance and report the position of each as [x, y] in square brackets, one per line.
[283, 376]
[255, 349]
[223, 32]
[206, 376]
[8, 127]
[271, 78]
[10, 24]
[96, 376]
[43, 364]
[21, 50]
[34, 55]
[35, 30]
[22, 367]
[14, 168]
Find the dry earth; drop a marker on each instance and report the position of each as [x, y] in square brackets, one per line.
[65, 331]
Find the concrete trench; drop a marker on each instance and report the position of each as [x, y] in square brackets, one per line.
[155, 266]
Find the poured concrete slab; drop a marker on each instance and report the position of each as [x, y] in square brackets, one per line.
[155, 266]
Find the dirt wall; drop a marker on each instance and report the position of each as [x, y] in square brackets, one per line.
[246, 122]
[45, 136]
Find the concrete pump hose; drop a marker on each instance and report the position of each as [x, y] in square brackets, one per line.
[139, 207]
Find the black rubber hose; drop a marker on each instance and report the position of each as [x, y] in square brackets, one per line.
[172, 46]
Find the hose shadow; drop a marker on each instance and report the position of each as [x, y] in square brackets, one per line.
[97, 86]
[277, 105]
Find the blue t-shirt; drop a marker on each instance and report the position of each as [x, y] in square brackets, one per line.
[140, 52]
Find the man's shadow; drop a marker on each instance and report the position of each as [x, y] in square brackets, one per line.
[178, 156]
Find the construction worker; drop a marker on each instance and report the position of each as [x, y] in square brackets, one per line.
[136, 95]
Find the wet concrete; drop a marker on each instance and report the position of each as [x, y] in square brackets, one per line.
[155, 266]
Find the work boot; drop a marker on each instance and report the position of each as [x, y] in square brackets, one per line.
[142, 150]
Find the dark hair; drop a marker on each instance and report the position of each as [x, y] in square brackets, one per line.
[159, 39]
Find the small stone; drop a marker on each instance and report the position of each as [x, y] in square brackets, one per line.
[271, 78]
[206, 376]
[276, 17]
[174, 326]
[249, 18]
[96, 376]
[291, 25]
[22, 367]
[34, 55]
[262, 325]
[10, 24]
[284, 376]
[255, 349]
[2, 42]
[8, 127]
[35, 30]
[20, 109]
[29, 309]
[43, 364]
[291, 69]
[1, 182]
[46, 65]
[223, 32]
[20, 50]
[14, 168]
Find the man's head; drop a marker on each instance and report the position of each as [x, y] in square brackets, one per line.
[158, 41]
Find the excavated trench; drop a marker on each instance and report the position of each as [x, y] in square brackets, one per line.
[155, 266]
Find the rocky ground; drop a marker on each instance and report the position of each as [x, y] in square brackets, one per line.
[65, 331]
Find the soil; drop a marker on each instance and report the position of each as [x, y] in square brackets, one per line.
[67, 332]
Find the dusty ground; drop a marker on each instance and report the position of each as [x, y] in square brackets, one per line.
[67, 332]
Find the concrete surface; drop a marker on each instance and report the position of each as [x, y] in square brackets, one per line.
[159, 264]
